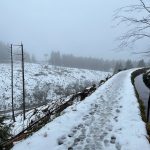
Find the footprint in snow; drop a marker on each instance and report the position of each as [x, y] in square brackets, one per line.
[61, 140]
[85, 117]
[117, 110]
[118, 146]
[106, 142]
[113, 139]
[109, 128]
[116, 118]
[70, 134]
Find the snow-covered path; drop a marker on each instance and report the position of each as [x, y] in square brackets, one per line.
[107, 120]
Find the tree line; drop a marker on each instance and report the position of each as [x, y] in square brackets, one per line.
[69, 60]
[5, 54]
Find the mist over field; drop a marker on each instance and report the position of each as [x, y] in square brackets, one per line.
[82, 28]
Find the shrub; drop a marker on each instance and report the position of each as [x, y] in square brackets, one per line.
[4, 131]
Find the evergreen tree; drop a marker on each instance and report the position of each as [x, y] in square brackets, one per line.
[4, 131]
[128, 64]
[4, 53]
[69, 60]
[141, 63]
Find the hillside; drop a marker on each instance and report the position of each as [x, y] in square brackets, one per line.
[43, 83]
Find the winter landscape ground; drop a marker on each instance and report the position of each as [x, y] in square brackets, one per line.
[74, 75]
[43, 83]
[109, 119]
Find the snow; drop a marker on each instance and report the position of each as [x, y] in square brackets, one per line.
[32, 115]
[41, 78]
[109, 119]
[57, 81]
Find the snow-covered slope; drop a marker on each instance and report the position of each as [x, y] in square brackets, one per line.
[109, 119]
[43, 83]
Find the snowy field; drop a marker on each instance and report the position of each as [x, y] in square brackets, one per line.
[43, 83]
[109, 119]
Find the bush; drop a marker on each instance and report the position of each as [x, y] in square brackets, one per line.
[40, 93]
[4, 131]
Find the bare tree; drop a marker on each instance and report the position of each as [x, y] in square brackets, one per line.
[137, 18]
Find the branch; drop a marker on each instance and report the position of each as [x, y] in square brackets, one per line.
[133, 20]
[144, 6]
[141, 52]
[139, 27]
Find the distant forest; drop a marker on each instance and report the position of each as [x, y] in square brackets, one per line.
[69, 60]
[5, 54]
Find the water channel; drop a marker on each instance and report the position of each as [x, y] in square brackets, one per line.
[142, 90]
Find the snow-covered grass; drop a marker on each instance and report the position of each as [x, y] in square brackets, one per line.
[43, 83]
[109, 119]
[32, 116]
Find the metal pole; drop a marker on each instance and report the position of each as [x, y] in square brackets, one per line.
[12, 90]
[23, 82]
[148, 109]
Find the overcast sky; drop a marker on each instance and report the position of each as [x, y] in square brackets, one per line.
[80, 27]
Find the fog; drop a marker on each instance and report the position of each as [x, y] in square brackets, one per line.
[79, 27]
